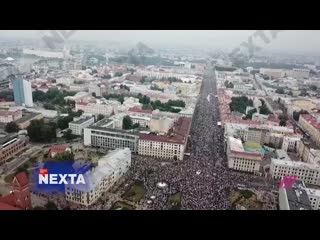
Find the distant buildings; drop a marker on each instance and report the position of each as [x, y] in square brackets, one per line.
[22, 92]
[10, 115]
[100, 179]
[169, 146]
[94, 108]
[79, 124]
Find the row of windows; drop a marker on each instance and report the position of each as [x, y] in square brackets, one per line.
[112, 134]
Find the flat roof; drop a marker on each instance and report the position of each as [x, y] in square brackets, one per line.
[295, 164]
[7, 138]
[26, 116]
[297, 197]
[81, 120]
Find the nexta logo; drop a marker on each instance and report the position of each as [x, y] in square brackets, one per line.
[46, 178]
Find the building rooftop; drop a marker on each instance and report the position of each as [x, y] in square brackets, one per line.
[177, 134]
[26, 116]
[7, 138]
[140, 110]
[297, 197]
[311, 120]
[81, 120]
[282, 155]
[304, 165]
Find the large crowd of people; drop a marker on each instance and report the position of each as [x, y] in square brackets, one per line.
[203, 178]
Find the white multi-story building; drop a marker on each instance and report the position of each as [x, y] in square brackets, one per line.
[99, 90]
[67, 81]
[104, 135]
[78, 87]
[78, 96]
[240, 159]
[100, 179]
[291, 143]
[95, 108]
[307, 172]
[314, 198]
[170, 146]
[143, 121]
[298, 73]
[10, 115]
[274, 73]
[79, 124]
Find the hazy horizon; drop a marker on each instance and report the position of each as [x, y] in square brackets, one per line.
[307, 41]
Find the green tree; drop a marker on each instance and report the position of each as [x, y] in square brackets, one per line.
[100, 117]
[313, 88]
[12, 127]
[49, 106]
[296, 115]
[51, 206]
[280, 90]
[250, 113]
[136, 125]
[38, 131]
[264, 110]
[38, 96]
[127, 122]
[118, 74]
[68, 135]
[65, 156]
[283, 123]
[121, 99]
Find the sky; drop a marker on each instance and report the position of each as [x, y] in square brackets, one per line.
[288, 40]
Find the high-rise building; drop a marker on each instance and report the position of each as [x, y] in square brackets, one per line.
[22, 92]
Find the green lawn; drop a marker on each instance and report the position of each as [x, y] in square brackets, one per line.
[135, 193]
[122, 206]
[175, 201]
[9, 178]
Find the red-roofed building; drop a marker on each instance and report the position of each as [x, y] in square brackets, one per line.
[135, 111]
[58, 149]
[311, 125]
[19, 197]
[170, 146]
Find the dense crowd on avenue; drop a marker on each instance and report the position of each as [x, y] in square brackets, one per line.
[202, 178]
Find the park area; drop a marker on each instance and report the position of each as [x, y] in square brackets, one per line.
[122, 206]
[135, 193]
[244, 200]
[174, 201]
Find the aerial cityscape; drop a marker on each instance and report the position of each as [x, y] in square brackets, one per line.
[159, 120]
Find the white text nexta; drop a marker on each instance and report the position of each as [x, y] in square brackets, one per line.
[61, 179]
